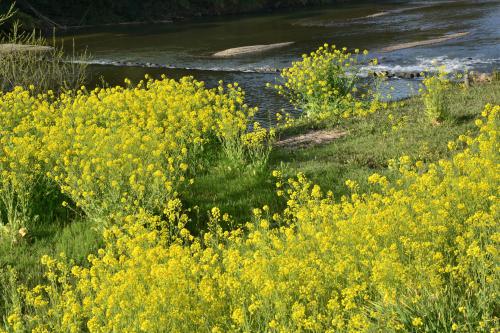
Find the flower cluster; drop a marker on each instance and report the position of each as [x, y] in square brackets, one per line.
[130, 149]
[20, 166]
[434, 95]
[419, 254]
[326, 84]
[113, 151]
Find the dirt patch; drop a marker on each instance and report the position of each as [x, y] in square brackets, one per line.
[310, 139]
[423, 42]
[237, 51]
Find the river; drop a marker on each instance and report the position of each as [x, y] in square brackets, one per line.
[186, 47]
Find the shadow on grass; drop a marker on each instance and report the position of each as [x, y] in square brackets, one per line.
[400, 130]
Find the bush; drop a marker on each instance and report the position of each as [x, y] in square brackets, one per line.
[416, 255]
[115, 151]
[434, 96]
[326, 84]
[21, 169]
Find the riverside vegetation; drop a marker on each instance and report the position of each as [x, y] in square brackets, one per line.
[163, 207]
[47, 66]
[39, 67]
[68, 12]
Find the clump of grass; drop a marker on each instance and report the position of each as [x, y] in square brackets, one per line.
[41, 69]
[434, 96]
[495, 75]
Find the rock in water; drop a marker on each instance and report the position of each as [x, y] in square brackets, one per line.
[424, 42]
[237, 51]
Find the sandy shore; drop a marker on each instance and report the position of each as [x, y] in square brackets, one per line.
[395, 11]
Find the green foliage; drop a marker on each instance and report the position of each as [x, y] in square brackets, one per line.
[39, 68]
[7, 15]
[325, 85]
[434, 96]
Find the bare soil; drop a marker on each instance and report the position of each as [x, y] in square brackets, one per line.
[310, 139]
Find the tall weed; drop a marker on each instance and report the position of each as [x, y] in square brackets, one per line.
[434, 96]
[41, 69]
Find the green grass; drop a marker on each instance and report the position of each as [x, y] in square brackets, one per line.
[73, 238]
[76, 239]
[370, 144]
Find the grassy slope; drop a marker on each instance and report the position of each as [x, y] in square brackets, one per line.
[368, 147]
[370, 144]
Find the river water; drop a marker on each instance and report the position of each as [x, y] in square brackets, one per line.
[186, 48]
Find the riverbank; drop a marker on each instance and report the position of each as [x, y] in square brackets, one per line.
[170, 188]
[360, 148]
[84, 14]
[187, 48]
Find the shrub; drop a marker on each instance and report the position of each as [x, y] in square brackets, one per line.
[116, 151]
[326, 84]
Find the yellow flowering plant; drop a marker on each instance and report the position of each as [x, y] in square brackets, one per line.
[434, 95]
[416, 254]
[21, 168]
[326, 84]
[116, 151]
[258, 145]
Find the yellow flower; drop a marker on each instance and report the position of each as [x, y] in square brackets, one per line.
[417, 322]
